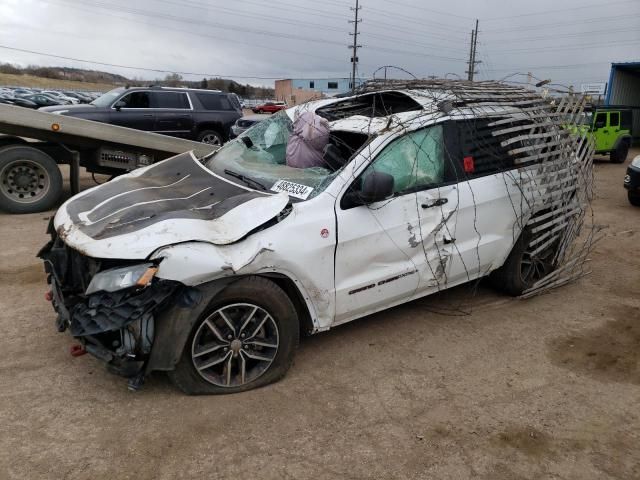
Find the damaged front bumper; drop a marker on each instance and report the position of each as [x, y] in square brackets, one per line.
[117, 327]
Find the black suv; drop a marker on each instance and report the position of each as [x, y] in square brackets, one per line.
[202, 115]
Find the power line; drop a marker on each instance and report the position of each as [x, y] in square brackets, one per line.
[549, 67]
[197, 34]
[221, 26]
[408, 42]
[541, 26]
[421, 8]
[546, 12]
[412, 19]
[104, 5]
[147, 69]
[568, 34]
[238, 13]
[570, 47]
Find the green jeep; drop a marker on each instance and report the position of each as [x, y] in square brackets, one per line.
[611, 130]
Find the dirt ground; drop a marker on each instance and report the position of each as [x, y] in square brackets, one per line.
[517, 389]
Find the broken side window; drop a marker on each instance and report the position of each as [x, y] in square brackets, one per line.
[415, 161]
[482, 150]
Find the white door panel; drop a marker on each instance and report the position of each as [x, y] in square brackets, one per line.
[491, 208]
[378, 248]
[438, 217]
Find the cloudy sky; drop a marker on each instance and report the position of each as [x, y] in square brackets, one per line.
[254, 41]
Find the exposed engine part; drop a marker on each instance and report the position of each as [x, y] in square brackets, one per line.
[137, 337]
[111, 311]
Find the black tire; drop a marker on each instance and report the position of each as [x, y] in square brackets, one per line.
[515, 277]
[211, 137]
[634, 198]
[264, 294]
[619, 155]
[30, 180]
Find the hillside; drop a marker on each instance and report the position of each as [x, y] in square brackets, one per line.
[7, 79]
[81, 79]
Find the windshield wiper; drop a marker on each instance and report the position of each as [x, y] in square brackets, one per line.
[245, 179]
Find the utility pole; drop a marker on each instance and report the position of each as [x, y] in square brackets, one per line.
[355, 47]
[472, 54]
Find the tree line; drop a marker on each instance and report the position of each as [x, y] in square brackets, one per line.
[171, 80]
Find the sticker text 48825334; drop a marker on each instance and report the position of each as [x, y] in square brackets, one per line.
[293, 189]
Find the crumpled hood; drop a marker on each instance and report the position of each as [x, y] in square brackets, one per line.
[173, 201]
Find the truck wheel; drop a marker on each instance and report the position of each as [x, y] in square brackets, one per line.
[634, 198]
[521, 269]
[211, 137]
[30, 180]
[246, 338]
[619, 155]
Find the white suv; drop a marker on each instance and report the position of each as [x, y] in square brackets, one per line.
[211, 268]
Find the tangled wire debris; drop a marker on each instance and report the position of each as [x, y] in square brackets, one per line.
[533, 142]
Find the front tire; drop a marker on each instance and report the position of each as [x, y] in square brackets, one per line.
[30, 180]
[634, 198]
[245, 338]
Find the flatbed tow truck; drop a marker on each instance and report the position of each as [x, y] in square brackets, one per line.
[33, 144]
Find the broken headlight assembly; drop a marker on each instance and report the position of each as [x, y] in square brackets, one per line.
[120, 278]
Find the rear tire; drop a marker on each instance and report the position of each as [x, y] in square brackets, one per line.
[217, 359]
[619, 155]
[210, 137]
[634, 198]
[30, 180]
[520, 270]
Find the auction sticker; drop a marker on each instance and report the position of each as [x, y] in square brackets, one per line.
[293, 189]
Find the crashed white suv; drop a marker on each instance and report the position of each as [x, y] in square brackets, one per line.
[211, 268]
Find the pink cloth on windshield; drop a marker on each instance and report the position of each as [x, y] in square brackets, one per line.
[310, 136]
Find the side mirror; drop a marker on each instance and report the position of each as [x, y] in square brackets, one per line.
[376, 187]
[119, 104]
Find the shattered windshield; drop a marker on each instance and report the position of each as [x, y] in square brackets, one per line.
[258, 159]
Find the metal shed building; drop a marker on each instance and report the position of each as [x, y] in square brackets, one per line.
[624, 90]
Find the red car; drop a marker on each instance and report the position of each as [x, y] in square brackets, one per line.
[269, 107]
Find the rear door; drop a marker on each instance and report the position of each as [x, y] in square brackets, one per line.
[217, 108]
[173, 113]
[492, 200]
[133, 110]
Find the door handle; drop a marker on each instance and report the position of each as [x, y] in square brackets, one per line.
[148, 115]
[436, 203]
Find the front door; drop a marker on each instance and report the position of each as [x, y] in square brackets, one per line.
[381, 258]
[133, 110]
[605, 133]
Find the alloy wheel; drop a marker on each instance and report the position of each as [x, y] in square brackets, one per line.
[235, 345]
[211, 139]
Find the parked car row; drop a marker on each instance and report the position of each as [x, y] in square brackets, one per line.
[37, 97]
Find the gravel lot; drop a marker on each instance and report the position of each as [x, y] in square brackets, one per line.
[542, 388]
